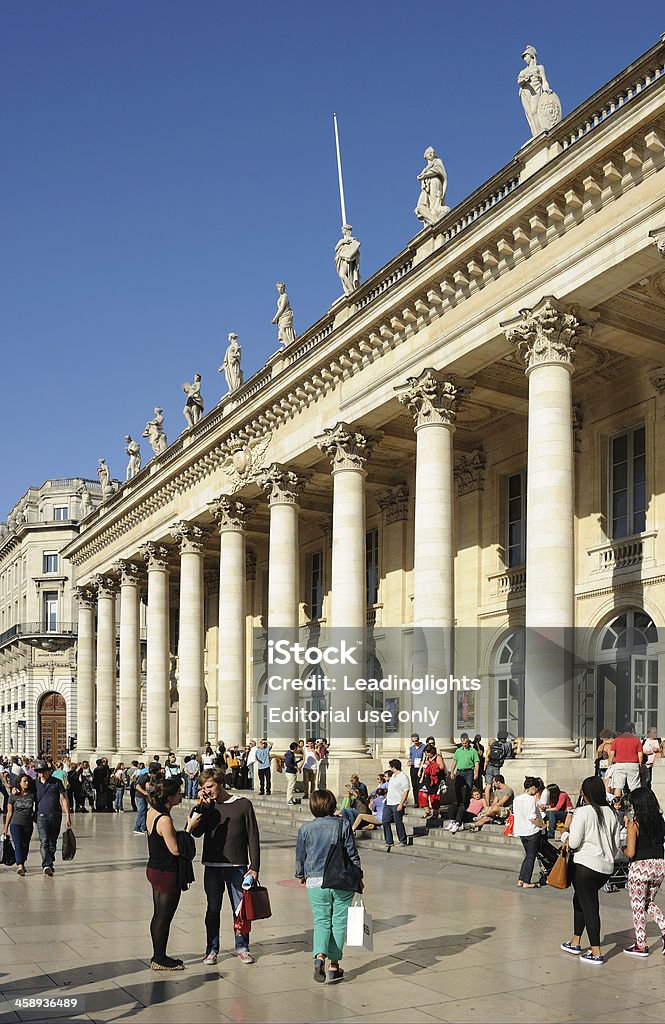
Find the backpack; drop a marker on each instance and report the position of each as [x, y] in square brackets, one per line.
[497, 753]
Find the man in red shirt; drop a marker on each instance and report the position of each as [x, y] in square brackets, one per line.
[627, 754]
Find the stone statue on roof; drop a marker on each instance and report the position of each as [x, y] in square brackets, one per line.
[104, 475]
[154, 431]
[284, 317]
[194, 405]
[85, 507]
[133, 450]
[231, 365]
[541, 104]
[347, 260]
[434, 181]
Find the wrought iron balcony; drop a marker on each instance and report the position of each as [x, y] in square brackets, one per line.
[40, 634]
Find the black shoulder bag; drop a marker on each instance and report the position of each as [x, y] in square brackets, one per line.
[340, 872]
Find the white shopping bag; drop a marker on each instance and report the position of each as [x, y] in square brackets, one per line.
[359, 929]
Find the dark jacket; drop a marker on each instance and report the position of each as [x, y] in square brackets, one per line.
[186, 854]
[230, 834]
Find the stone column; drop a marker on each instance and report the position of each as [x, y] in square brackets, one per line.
[546, 337]
[106, 666]
[158, 662]
[130, 660]
[190, 538]
[283, 486]
[85, 673]
[434, 399]
[231, 515]
[348, 450]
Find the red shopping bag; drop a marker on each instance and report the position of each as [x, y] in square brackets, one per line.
[510, 825]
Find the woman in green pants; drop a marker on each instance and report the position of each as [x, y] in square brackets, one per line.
[329, 906]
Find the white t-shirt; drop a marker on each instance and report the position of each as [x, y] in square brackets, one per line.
[397, 787]
[310, 760]
[251, 756]
[544, 799]
[525, 808]
[208, 760]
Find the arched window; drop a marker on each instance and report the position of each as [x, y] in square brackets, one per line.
[627, 673]
[509, 676]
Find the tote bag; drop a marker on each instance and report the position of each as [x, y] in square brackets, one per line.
[558, 877]
[340, 872]
[68, 845]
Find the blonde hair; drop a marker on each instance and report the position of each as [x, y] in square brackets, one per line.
[211, 775]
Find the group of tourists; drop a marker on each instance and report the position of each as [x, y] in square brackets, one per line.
[34, 794]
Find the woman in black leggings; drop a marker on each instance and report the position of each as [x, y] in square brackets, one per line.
[162, 869]
[594, 842]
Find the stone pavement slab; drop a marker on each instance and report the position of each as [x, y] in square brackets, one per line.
[451, 944]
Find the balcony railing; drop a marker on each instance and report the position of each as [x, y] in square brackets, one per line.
[508, 583]
[627, 553]
[26, 629]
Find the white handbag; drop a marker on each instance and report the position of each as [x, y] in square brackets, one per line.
[359, 928]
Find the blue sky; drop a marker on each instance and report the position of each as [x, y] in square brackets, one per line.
[165, 163]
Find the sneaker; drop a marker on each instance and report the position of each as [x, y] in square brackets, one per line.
[568, 947]
[589, 958]
[454, 827]
[210, 958]
[636, 950]
[20, 871]
[49, 872]
[246, 956]
[449, 826]
[138, 832]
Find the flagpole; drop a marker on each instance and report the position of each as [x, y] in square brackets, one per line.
[339, 172]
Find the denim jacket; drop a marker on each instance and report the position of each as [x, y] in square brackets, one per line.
[314, 841]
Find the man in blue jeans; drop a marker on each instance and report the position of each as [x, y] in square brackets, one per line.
[141, 796]
[51, 804]
[231, 853]
[393, 811]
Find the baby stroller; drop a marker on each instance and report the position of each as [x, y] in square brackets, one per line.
[619, 877]
[547, 857]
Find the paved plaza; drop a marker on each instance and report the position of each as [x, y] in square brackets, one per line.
[451, 944]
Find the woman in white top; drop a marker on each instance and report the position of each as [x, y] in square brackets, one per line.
[528, 826]
[594, 840]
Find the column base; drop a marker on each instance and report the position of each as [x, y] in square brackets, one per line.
[549, 748]
[351, 749]
[110, 753]
[127, 756]
[82, 754]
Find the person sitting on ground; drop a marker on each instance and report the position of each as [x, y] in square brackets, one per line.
[499, 809]
[375, 817]
[359, 786]
[356, 804]
[557, 809]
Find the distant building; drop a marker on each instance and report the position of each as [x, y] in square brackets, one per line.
[38, 617]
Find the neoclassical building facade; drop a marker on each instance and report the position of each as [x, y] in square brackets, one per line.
[38, 617]
[471, 440]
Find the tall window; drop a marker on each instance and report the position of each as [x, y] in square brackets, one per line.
[60, 512]
[51, 611]
[50, 561]
[315, 585]
[628, 483]
[516, 520]
[372, 567]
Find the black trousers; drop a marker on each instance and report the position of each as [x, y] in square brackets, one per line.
[531, 846]
[586, 911]
[415, 784]
[264, 780]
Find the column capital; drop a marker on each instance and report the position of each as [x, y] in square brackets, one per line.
[86, 596]
[190, 537]
[129, 574]
[155, 556]
[434, 397]
[106, 586]
[657, 236]
[283, 485]
[395, 504]
[347, 447]
[549, 332]
[469, 472]
[230, 513]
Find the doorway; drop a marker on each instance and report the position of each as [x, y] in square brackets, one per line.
[53, 725]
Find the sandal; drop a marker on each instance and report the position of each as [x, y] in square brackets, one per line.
[335, 974]
[319, 969]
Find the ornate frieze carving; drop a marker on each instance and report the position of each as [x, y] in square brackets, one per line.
[283, 485]
[549, 332]
[128, 573]
[229, 513]
[433, 397]
[86, 597]
[395, 504]
[190, 537]
[657, 380]
[469, 472]
[347, 447]
[155, 556]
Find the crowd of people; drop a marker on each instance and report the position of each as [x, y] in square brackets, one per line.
[616, 813]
